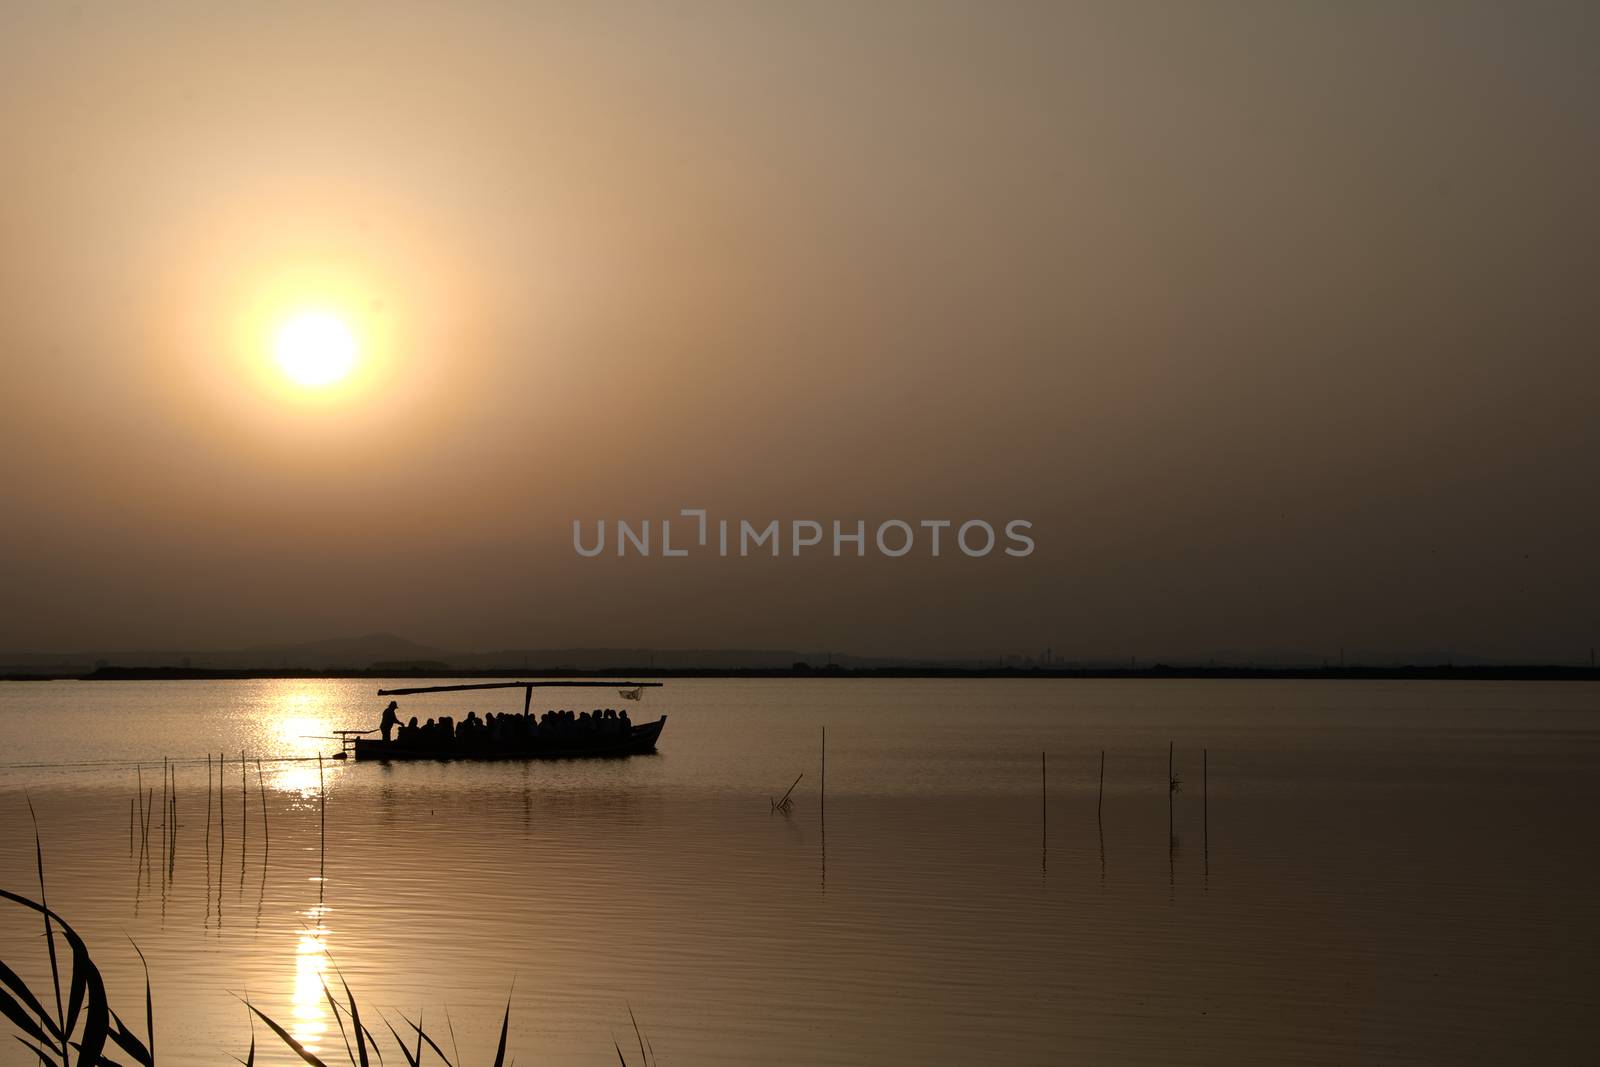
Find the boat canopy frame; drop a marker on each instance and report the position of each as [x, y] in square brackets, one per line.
[529, 687]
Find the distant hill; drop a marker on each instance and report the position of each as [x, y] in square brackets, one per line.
[387, 652]
[340, 651]
[351, 653]
[599, 659]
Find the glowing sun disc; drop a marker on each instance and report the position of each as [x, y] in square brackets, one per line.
[315, 349]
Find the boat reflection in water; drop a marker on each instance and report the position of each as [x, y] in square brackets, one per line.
[511, 735]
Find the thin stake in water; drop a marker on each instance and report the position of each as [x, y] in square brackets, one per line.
[1100, 798]
[138, 770]
[1172, 791]
[823, 792]
[322, 859]
[149, 801]
[172, 802]
[785, 803]
[266, 831]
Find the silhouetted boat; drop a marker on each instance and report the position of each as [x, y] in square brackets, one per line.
[570, 744]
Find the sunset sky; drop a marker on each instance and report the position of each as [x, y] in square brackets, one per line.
[1279, 321]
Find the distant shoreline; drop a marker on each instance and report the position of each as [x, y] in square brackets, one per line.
[1357, 673]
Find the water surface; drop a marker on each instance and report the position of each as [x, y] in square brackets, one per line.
[1375, 871]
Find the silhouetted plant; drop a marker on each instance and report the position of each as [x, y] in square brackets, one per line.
[79, 1032]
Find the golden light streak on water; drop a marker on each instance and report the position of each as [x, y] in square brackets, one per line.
[310, 965]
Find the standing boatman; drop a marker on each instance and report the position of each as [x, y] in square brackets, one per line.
[390, 719]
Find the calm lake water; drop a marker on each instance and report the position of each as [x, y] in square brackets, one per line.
[1377, 872]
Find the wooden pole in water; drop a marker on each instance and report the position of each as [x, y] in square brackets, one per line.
[322, 861]
[149, 801]
[130, 826]
[208, 809]
[791, 789]
[824, 787]
[244, 807]
[222, 809]
[266, 830]
[138, 770]
[1100, 798]
[1169, 794]
[1205, 802]
[1044, 801]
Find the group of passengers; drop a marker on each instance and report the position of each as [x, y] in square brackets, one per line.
[511, 729]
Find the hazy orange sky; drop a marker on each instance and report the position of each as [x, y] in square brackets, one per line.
[1277, 320]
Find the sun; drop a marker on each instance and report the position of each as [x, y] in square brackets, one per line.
[316, 349]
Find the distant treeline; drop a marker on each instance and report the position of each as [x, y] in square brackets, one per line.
[802, 670]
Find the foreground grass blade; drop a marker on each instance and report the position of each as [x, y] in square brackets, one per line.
[424, 1036]
[643, 1060]
[411, 1061]
[49, 935]
[250, 1057]
[505, 1025]
[37, 1051]
[149, 1006]
[452, 1028]
[334, 1007]
[355, 1020]
[288, 1039]
[23, 1008]
[123, 1038]
[96, 1020]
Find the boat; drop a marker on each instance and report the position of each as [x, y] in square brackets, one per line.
[640, 739]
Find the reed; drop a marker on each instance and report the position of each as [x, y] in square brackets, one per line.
[138, 770]
[322, 851]
[172, 819]
[84, 1030]
[785, 804]
[1172, 792]
[266, 831]
[163, 807]
[1100, 797]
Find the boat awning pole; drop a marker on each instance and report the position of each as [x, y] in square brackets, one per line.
[527, 699]
[516, 685]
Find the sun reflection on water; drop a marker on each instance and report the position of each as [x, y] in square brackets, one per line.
[310, 965]
[302, 728]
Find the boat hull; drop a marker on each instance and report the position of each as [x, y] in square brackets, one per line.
[641, 740]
